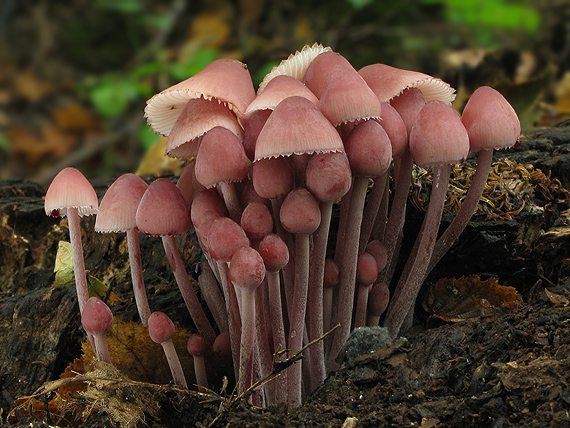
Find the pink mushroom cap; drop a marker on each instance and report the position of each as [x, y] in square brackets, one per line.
[226, 80]
[196, 119]
[196, 345]
[160, 327]
[332, 273]
[272, 178]
[368, 149]
[388, 82]
[438, 136]
[70, 189]
[225, 237]
[328, 176]
[296, 126]
[256, 221]
[347, 98]
[366, 269]
[300, 212]
[378, 250]
[221, 158]
[118, 209]
[274, 252]
[247, 269]
[96, 317]
[162, 210]
[316, 75]
[490, 120]
[277, 90]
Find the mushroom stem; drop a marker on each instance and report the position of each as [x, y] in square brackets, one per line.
[137, 275]
[297, 326]
[228, 193]
[415, 269]
[278, 333]
[476, 188]
[102, 348]
[397, 215]
[174, 364]
[213, 295]
[186, 289]
[372, 210]
[77, 255]
[79, 265]
[347, 282]
[316, 294]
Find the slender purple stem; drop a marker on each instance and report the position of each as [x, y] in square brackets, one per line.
[137, 275]
[187, 290]
[410, 283]
[467, 209]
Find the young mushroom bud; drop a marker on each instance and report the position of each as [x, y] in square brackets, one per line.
[97, 320]
[161, 330]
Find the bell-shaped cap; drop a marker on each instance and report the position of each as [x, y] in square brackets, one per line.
[387, 82]
[226, 80]
[438, 137]
[346, 97]
[162, 210]
[316, 75]
[198, 117]
[221, 158]
[490, 120]
[70, 189]
[296, 126]
[296, 65]
[118, 209]
[277, 90]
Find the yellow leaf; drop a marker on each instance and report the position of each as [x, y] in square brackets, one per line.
[64, 275]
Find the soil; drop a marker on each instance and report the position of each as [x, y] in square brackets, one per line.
[503, 368]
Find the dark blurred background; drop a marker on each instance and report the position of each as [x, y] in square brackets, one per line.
[75, 74]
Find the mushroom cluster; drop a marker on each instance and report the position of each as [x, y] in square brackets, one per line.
[265, 170]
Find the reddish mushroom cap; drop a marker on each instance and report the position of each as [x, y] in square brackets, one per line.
[316, 75]
[332, 273]
[346, 97]
[438, 136]
[253, 127]
[368, 149]
[388, 82]
[296, 126]
[296, 65]
[276, 91]
[366, 269]
[378, 250]
[378, 299]
[70, 189]
[222, 344]
[96, 317]
[118, 209]
[195, 120]
[162, 210]
[226, 80]
[256, 221]
[272, 178]
[490, 120]
[220, 158]
[196, 345]
[395, 127]
[300, 212]
[274, 252]
[408, 105]
[225, 237]
[328, 176]
[247, 269]
[160, 327]
[188, 184]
